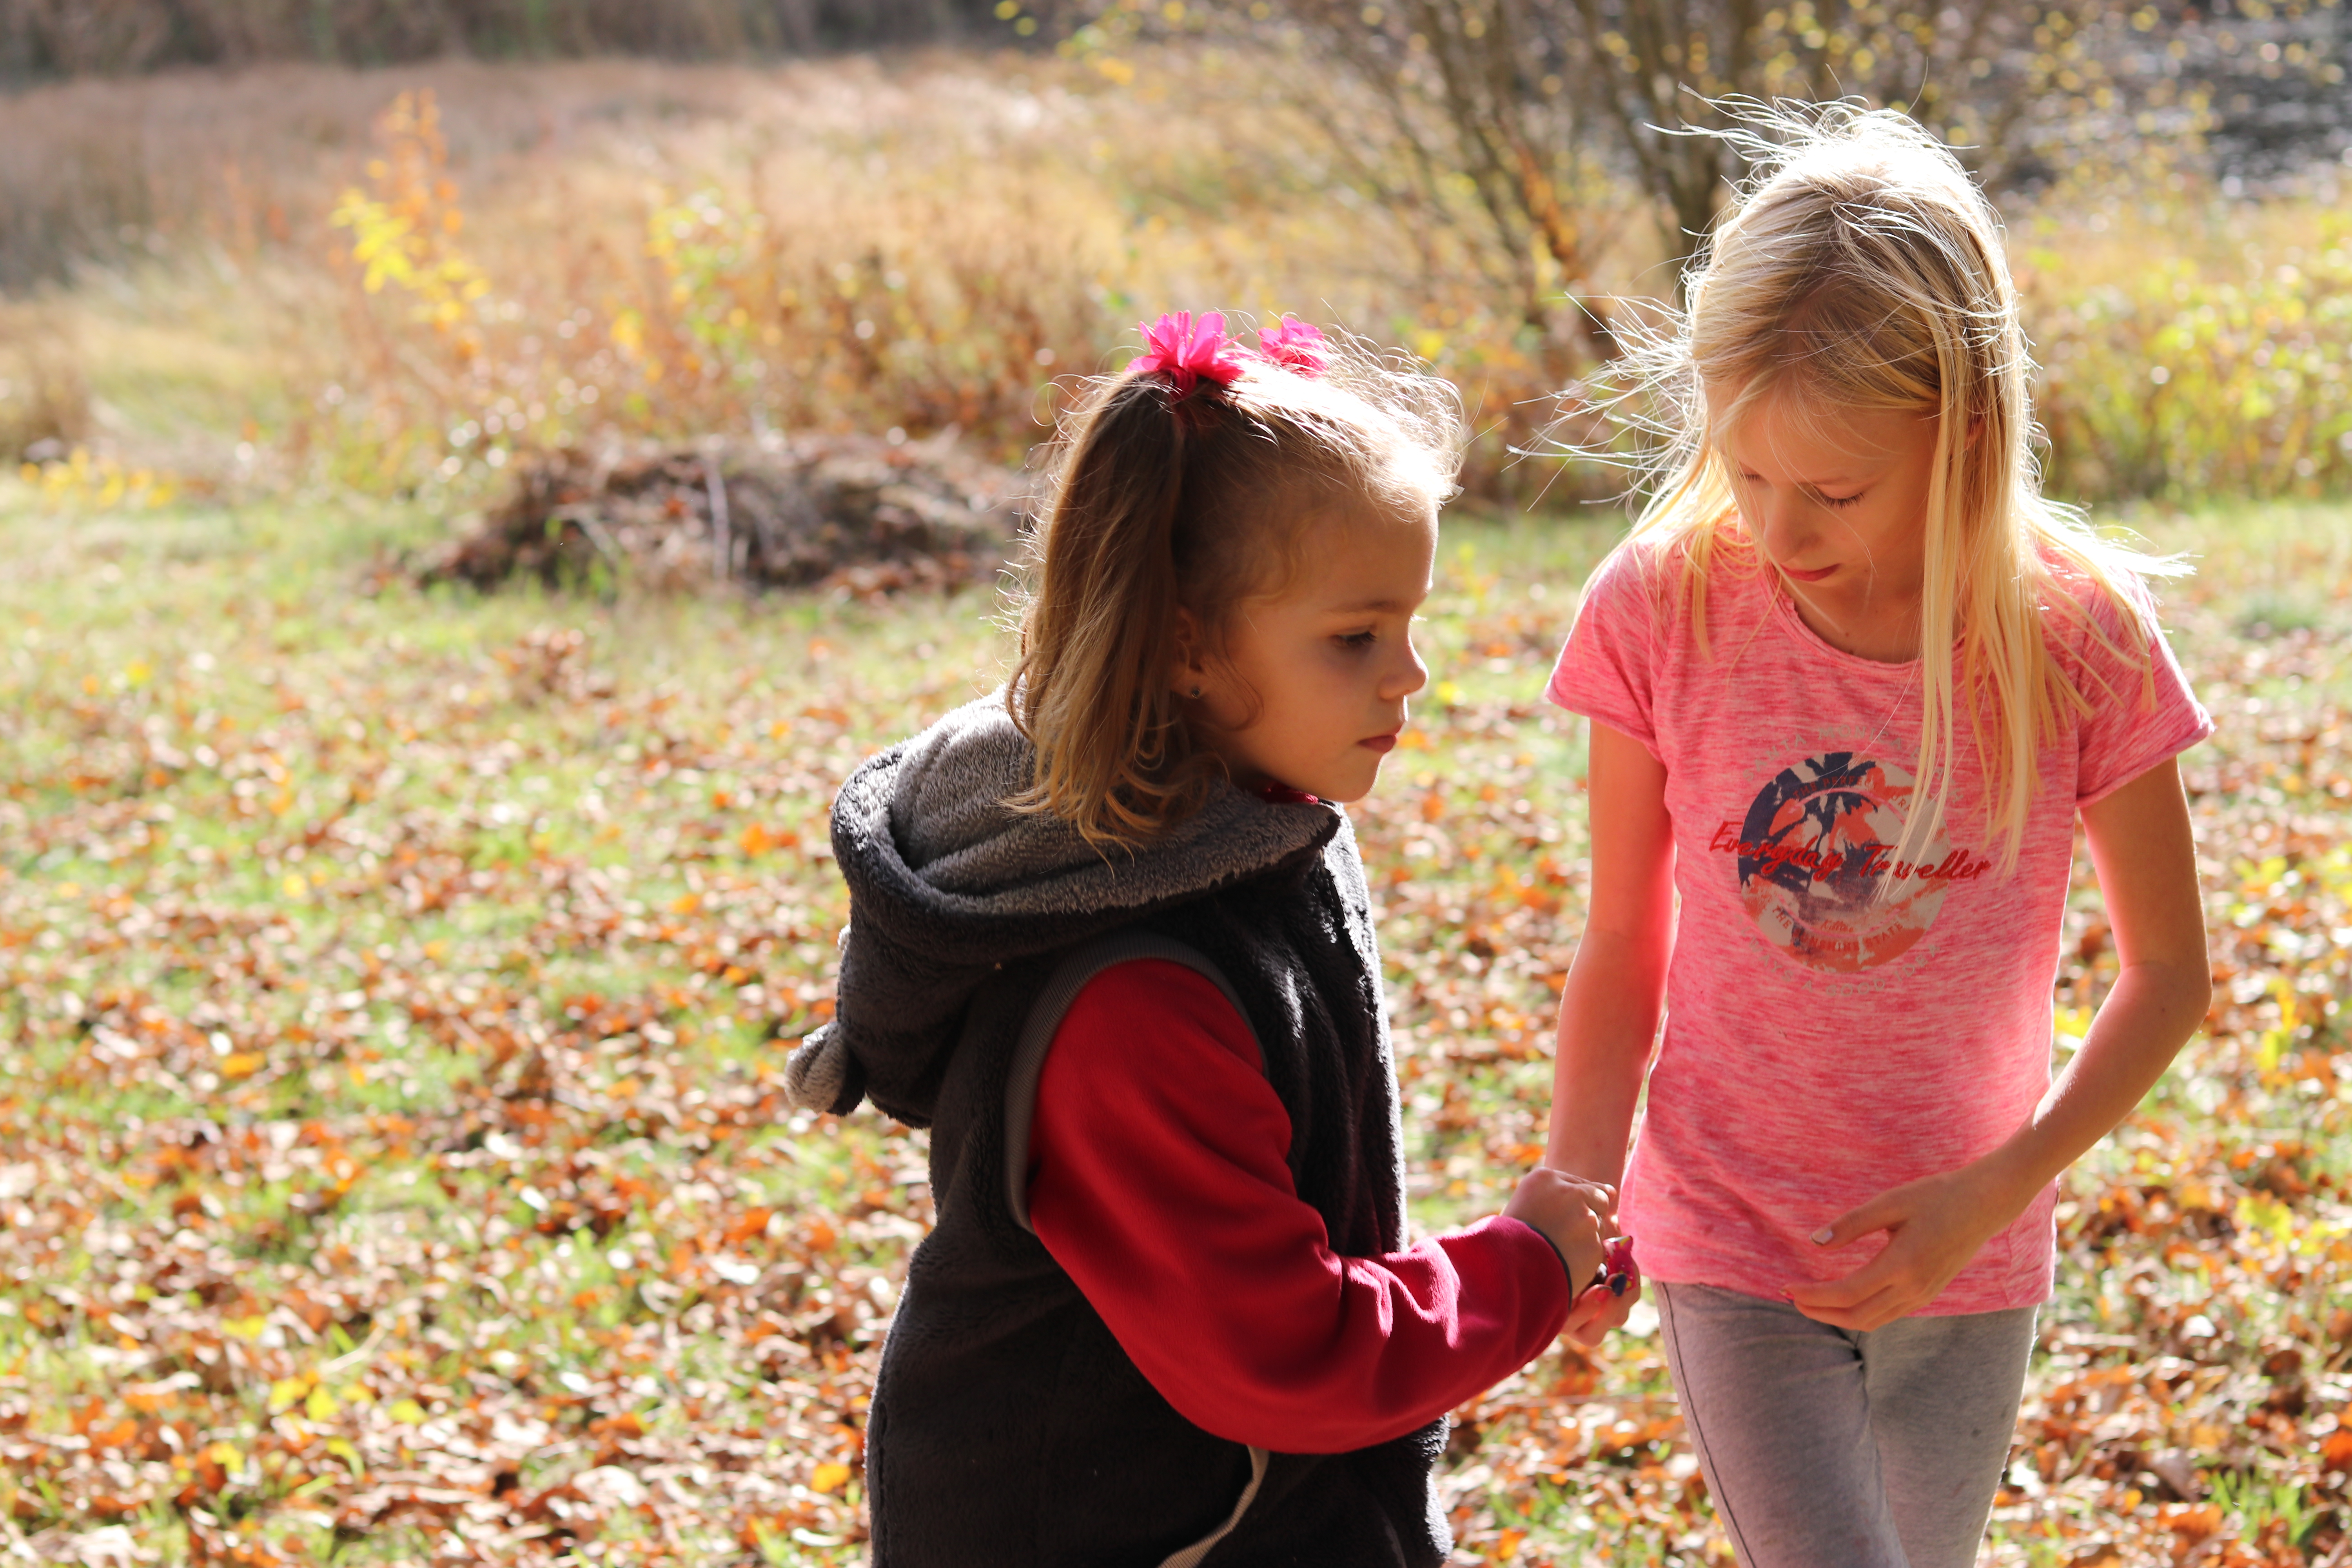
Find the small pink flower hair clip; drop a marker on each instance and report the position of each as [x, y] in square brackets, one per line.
[1188, 351]
[1295, 346]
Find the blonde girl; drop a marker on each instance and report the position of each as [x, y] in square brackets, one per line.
[1852, 681]
[1112, 941]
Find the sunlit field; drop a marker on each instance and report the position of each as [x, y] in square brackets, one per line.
[398, 984]
[393, 1161]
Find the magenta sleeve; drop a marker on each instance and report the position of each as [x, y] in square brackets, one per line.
[2142, 712]
[1604, 671]
[1158, 1181]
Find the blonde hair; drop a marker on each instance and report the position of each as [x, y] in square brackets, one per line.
[1861, 267]
[1161, 500]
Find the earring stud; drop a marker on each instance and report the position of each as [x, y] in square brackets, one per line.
[1196, 694]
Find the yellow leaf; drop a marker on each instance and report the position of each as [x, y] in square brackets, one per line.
[341, 1448]
[407, 1412]
[830, 1478]
[243, 1064]
[245, 1328]
[286, 1392]
[320, 1406]
[295, 885]
[224, 1455]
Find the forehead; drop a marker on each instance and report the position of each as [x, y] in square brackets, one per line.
[1367, 559]
[1781, 432]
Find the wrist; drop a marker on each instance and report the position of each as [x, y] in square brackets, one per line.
[2011, 1177]
[1545, 1236]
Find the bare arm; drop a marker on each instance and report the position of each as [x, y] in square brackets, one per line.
[1616, 985]
[2146, 857]
[2147, 861]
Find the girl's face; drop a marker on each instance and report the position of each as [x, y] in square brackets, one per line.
[1311, 690]
[1839, 502]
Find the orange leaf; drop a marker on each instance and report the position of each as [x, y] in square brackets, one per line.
[829, 1477]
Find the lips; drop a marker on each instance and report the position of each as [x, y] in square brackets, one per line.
[1378, 743]
[1815, 575]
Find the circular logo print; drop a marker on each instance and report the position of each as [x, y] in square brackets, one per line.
[1817, 869]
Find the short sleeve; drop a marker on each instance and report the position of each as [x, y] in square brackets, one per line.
[1605, 671]
[2142, 710]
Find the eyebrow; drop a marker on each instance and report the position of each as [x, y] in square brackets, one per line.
[1840, 477]
[1383, 607]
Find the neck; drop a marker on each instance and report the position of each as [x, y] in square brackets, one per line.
[1880, 626]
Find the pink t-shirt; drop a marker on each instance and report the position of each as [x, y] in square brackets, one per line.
[1823, 1043]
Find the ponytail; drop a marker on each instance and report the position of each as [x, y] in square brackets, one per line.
[1091, 689]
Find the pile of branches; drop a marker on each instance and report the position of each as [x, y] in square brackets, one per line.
[851, 513]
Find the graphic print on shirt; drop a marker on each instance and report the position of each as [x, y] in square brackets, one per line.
[1817, 867]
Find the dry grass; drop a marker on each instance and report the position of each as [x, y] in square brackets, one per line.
[939, 240]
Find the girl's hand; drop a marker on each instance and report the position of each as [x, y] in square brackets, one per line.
[1934, 1225]
[1601, 1305]
[1574, 1216]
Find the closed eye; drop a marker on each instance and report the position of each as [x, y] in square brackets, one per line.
[1828, 501]
[1356, 642]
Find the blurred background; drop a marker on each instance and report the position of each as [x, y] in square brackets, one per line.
[386, 245]
[476, 475]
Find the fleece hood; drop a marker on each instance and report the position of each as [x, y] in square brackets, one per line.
[947, 884]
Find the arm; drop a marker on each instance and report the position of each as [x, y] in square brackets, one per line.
[1161, 1183]
[1616, 984]
[2146, 857]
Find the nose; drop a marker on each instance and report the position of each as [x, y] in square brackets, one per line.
[1780, 516]
[1407, 676]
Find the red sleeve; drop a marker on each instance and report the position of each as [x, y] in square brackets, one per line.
[1158, 1179]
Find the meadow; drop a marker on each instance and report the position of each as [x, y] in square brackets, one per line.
[394, 281]
[398, 983]
[393, 1166]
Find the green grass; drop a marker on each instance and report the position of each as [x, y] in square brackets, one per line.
[391, 1142]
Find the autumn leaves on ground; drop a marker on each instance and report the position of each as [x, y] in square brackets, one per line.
[392, 1165]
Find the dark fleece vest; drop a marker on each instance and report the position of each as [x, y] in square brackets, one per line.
[1008, 1426]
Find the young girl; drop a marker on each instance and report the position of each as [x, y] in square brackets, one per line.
[1852, 680]
[1112, 941]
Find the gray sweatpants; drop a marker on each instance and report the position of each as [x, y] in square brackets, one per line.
[1824, 1448]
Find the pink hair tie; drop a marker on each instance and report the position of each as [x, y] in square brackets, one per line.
[1188, 351]
[1295, 346]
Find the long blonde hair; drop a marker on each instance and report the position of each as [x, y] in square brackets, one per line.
[1164, 498]
[1861, 267]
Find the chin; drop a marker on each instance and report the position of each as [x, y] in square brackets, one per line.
[1346, 789]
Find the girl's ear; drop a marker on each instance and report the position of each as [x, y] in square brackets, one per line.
[1189, 669]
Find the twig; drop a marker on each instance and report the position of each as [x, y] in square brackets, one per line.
[721, 526]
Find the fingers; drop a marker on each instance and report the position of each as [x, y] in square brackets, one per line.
[1873, 1311]
[1872, 1296]
[1600, 1196]
[1878, 1213]
[1596, 1310]
[1838, 1295]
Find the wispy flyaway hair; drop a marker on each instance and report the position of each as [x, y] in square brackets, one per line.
[1161, 500]
[1860, 268]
